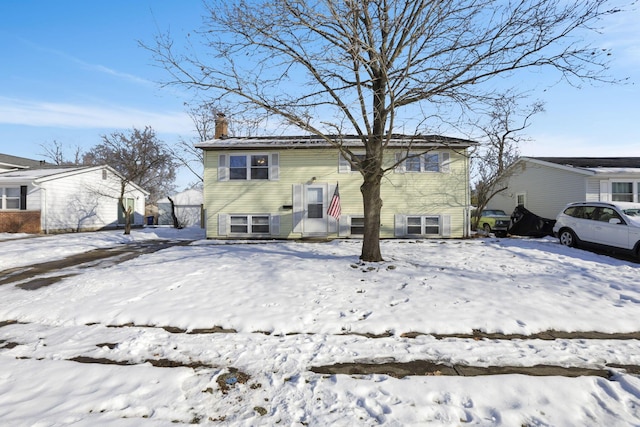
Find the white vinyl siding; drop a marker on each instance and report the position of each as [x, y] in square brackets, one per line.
[95, 202]
[548, 189]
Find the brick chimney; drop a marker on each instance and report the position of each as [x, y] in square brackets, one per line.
[222, 127]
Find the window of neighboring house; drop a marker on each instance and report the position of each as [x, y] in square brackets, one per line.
[242, 167]
[423, 225]
[428, 162]
[345, 166]
[104, 174]
[357, 226]
[521, 199]
[249, 224]
[12, 198]
[622, 191]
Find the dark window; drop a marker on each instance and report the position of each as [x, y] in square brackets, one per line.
[423, 225]
[237, 167]
[357, 226]
[249, 224]
[260, 224]
[622, 191]
[239, 224]
[260, 167]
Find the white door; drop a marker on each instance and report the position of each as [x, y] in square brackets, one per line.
[315, 209]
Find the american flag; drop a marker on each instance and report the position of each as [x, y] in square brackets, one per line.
[334, 207]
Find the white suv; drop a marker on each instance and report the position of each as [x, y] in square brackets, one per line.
[608, 225]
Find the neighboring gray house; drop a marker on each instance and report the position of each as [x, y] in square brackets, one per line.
[188, 209]
[8, 163]
[60, 199]
[544, 185]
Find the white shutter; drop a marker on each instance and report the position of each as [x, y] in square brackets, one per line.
[399, 227]
[445, 221]
[344, 226]
[298, 208]
[604, 191]
[222, 225]
[223, 168]
[275, 225]
[445, 162]
[343, 165]
[274, 168]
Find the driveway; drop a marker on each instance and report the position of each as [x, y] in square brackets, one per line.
[36, 276]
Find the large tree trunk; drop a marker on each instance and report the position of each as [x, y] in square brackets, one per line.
[370, 189]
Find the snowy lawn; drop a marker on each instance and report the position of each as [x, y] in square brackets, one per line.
[285, 307]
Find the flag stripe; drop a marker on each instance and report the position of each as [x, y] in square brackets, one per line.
[334, 207]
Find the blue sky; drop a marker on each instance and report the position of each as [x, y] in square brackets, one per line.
[72, 70]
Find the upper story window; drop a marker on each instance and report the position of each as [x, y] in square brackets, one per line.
[427, 162]
[345, 166]
[243, 167]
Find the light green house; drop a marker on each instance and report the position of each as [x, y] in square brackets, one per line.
[281, 187]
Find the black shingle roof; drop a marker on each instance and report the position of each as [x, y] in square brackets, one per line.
[21, 161]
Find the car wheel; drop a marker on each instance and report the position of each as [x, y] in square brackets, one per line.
[567, 238]
[487, 229]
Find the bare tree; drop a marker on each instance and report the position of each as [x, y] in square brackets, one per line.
[371, 67]
[501, 148]
[55, 152]
[140, 157]
[203, 117]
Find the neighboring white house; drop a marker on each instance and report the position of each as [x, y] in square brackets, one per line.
[9, 163]
[544, 185]
[61, 199]
[188, 208]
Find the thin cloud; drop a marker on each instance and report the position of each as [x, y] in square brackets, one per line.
[89, 66]
[50, 114]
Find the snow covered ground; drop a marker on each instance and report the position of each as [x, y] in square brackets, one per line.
[285, 307]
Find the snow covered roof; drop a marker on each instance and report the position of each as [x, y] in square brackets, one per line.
[592, 165]
[47, 174]
[313, 141]
[33, 174]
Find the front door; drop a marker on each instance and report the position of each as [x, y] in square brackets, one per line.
[130, 205]
[315, 209]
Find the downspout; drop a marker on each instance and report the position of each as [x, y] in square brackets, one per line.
[467, 210]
